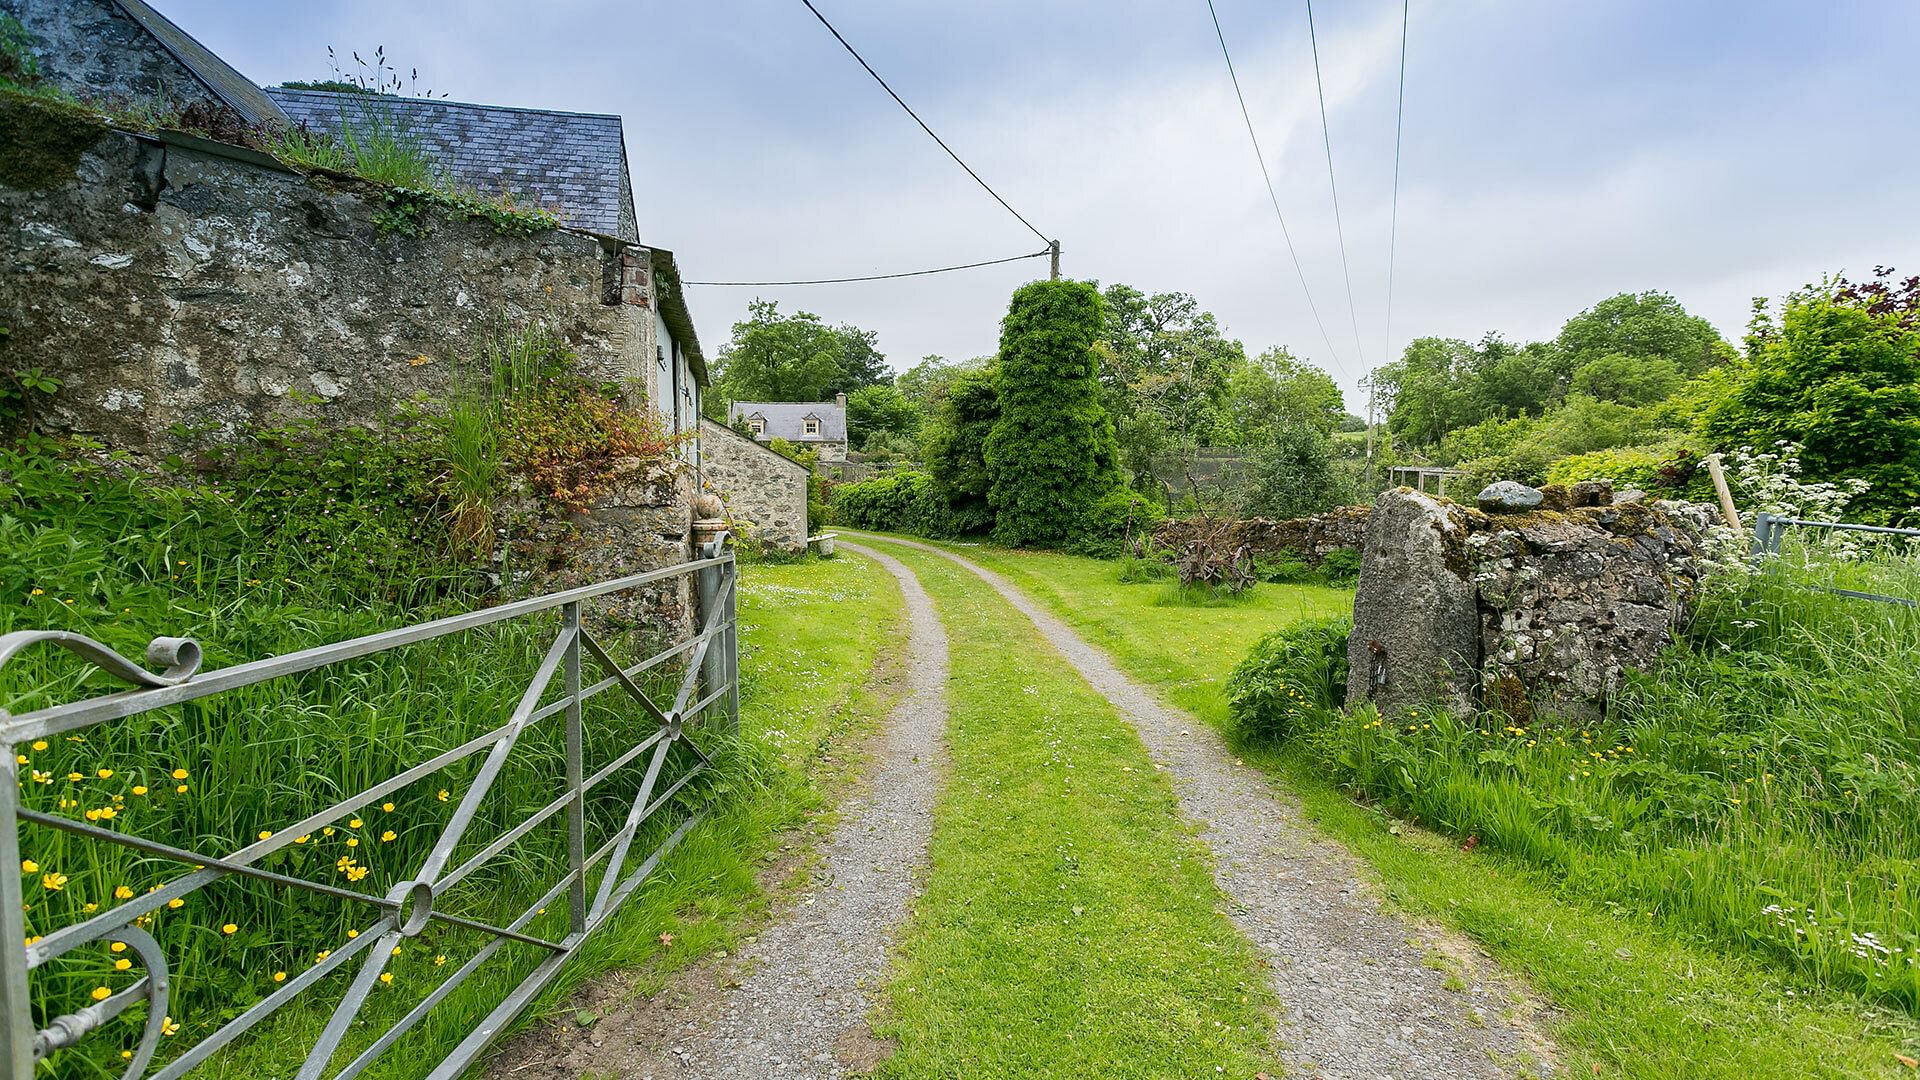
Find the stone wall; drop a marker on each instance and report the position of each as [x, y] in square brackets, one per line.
[1529, 610]
[1309, 539]
[760, 488]
[169, 284]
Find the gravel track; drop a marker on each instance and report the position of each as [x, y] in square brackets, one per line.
[1367, 996]
[796, 1001]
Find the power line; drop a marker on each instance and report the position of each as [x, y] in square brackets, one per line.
[1393, 225]
[923, 124]
[1041, 254]
[1327, 138]
[1268, 178]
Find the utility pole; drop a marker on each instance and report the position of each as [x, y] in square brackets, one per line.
[1053, 249]
[1368, 383]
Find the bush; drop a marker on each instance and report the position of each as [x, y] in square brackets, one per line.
[1292, 474]
[1052, 453]
[1289, 676]
[1105, 529]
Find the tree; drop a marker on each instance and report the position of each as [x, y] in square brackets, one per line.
[1644, 326]
[881, 411]
[1163, 367]
[1292, 473]
[775, 357]
[1274, 387]
[1839, 375]
[926, 382]
[1625, 379]
[954, 443]
[1051, 454]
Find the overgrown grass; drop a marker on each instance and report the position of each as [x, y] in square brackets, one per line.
[1070, 926]
[123, 561]
[1638, 996]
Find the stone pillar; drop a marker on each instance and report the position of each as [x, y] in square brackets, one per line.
[1416, 628]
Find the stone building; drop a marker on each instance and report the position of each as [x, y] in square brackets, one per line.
[811, 425]
[765, 494]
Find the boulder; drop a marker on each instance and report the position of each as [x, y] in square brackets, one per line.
[1508, 497]
[1416, 626]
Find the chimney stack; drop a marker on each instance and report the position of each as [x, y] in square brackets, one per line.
[840, 399]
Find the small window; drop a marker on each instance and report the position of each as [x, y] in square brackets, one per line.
[660, 353]
[758, 427]
[812, 427]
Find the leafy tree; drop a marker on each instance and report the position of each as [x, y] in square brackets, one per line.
[954, 444]
[926, 382]
[1274, 387]
[1292, 473]
[1643, 326]
[1163, 375]
[1629, 380]
[1840, 375]
[775, 357]
[880, 411]
[1052, 451]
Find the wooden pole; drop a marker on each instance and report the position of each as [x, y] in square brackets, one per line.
[1053, 249]
[1727, 511]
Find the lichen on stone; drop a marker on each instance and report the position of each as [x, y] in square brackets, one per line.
[41, 141]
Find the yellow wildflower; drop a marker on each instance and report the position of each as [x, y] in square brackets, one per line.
[266, 834]
[53, 882]
[168, 1027]
[355, 823]
[353, 841]
[229, 929]
[438, 960]
[386, 977]
[181, 789]
[179, 774]
[121, 892]
[388, 807]
[39, 744]
[303, 838]
[388, 836]
[28, 866]
[176, 903]
[352, 933]
[101, 993]
[442, 796]
[139, 789]
[279, 976]
[118, 946]
[122, 964]
[104, 773]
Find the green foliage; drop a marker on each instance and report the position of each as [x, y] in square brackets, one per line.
[1292, 474]
[1121, 515]
[1648, 327]
[40, 140]
[1840, 376]
[954, 444]
[407, 211]
[1627, 379]
[798, 357]
[1275, 388]
[18, 65]
[1164, 368]
[878, 412]
[1052, 451]
[337, 86]
[1290, 675]
[925, 384]
[1665, 469]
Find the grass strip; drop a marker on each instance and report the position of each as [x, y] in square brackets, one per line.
[1631, 997]
[1070, 925]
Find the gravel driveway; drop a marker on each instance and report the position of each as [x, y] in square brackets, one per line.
[1368, 996]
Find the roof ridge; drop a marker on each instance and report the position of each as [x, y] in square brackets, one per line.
[272, 90]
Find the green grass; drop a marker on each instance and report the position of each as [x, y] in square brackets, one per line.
[122, 561]
[1070, 925]
[1634, 996]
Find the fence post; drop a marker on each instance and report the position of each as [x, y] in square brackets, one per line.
[576, 773]
[713, 663]
[16, 1025]
[1762, 526]
[733, 646]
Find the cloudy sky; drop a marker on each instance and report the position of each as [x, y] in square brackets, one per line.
[1554, 154]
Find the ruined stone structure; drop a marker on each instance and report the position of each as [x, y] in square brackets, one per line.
[1528, 612]
[764, 493]
[1308, 539]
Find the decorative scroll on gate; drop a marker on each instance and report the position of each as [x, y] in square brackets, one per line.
[709, 686]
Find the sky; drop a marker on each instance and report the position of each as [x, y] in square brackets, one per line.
[1553, 154]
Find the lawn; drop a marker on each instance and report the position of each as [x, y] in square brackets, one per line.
[1633, 995]
[1070, 925]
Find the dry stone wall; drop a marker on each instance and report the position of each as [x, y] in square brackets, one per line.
[1310, 539]
[1527, 611]
[762, 491]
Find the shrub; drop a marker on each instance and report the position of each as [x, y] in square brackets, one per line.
[1052, 453]
[1292, 475]
[955, 445]
[1290, 675]
[892, 502]
[1109, 524]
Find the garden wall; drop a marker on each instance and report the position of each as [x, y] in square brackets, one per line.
[180, 283]
[760, 488]
[1308, 539]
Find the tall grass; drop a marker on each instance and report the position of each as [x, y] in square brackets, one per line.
[1761, 788]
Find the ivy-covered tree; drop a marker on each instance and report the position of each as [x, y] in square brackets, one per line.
[954, 443]
[1840, 375]
[1052, 451]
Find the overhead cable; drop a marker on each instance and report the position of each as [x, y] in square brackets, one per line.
[877, 277]
[1268, 178]
[1393, 226]
[923, 124]
[1327, 139]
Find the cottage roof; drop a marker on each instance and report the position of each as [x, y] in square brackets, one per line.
[787, 419]
[573, 164]
[219, 77]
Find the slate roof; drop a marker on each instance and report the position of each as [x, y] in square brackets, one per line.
[574, 164]
[239, 93]
[784, 419]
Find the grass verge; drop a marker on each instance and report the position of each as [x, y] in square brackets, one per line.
[1070, 925]
[1634, 996]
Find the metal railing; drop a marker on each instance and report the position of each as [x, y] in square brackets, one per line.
[710, 655]
[1770, 531]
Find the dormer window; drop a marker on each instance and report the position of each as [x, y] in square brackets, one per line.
[810, 425]
[758, 427]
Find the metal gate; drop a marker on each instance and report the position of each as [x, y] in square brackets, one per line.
[709, 685]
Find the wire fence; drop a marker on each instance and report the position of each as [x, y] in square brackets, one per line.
[1769, 536]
